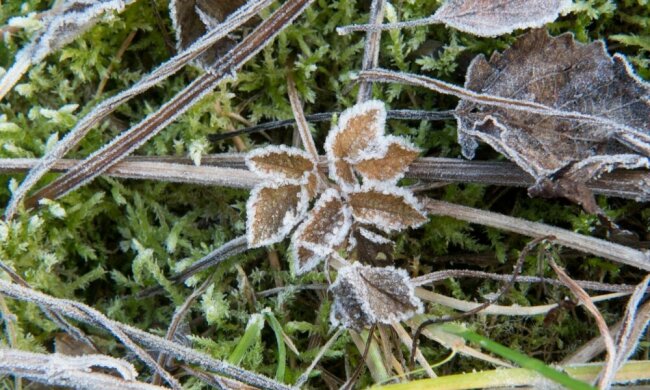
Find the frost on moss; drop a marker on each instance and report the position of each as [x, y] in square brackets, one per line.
[112, 238]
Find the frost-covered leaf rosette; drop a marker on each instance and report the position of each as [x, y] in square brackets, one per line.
[359, 203]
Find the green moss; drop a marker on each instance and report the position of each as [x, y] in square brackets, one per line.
[112, 238]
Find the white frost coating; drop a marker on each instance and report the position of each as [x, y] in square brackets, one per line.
[482, 21]
[379, 152]
[390, 189]
[377, 126]
[275, 175]
[374, 237]
[362, 294]
[290, 219]
[332, 237]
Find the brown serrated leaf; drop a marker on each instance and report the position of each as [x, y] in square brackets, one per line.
[272, 211]
[391, 163]
[559, 152]
[489, 18]
[359, 129]
[326, 227]
[365, 295]
[387, 207]
[281, 163]
[193, 18]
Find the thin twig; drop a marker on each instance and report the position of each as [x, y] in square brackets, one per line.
[71, 371]
[83, 313]
[586, 300]
[353, 378]
[619, 253]
[413, 115]
[344, 30]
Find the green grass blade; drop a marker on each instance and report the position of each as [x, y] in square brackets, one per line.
[518, 358]
[282, 350]
[251, 335]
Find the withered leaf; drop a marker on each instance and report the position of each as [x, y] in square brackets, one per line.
[193, 18]
[281, 163]
[272, 211]
[489, 18]
[390, 163]
[365, 295]
[387, 207]
[562, 154]
[326, 228]
[359, 130]
[373, 248]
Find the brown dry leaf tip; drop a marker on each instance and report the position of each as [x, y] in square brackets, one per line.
[272, 210]
[282, 164]
[372, 248]
[561, 154]
[387, 207]
[326, 228]
[389, 163]
[359, 131]
[193, 18]
[490, 18]
[365, 295]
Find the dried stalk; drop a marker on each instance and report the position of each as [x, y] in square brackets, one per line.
[305, 375]
[71, 371]
[371, 48]
[514, 311]
[609, 369]
[83, 313]
[377, 28]
[621, 183]
[299, 115]
[619, 253]
[177, 318]
[464, 273]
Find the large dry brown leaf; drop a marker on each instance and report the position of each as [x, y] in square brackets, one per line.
[326, 228]
[389, 164]
[489, 18]
[562, 154]
[365, 295]
[387, 207]
[281, 163]
[359, 129]
[272, 211]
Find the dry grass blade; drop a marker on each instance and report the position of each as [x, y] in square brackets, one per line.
[623, 184]
[609, 370]
[165, 70]
[618, 253]
[133, 138]
[71, 371]
[305, 375]
[83, 313]
[633, 324]
[178, 317]
[301, 122]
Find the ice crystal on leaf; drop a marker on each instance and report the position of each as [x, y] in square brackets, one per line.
[561, 153]
[364, 165]
[365, 295]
